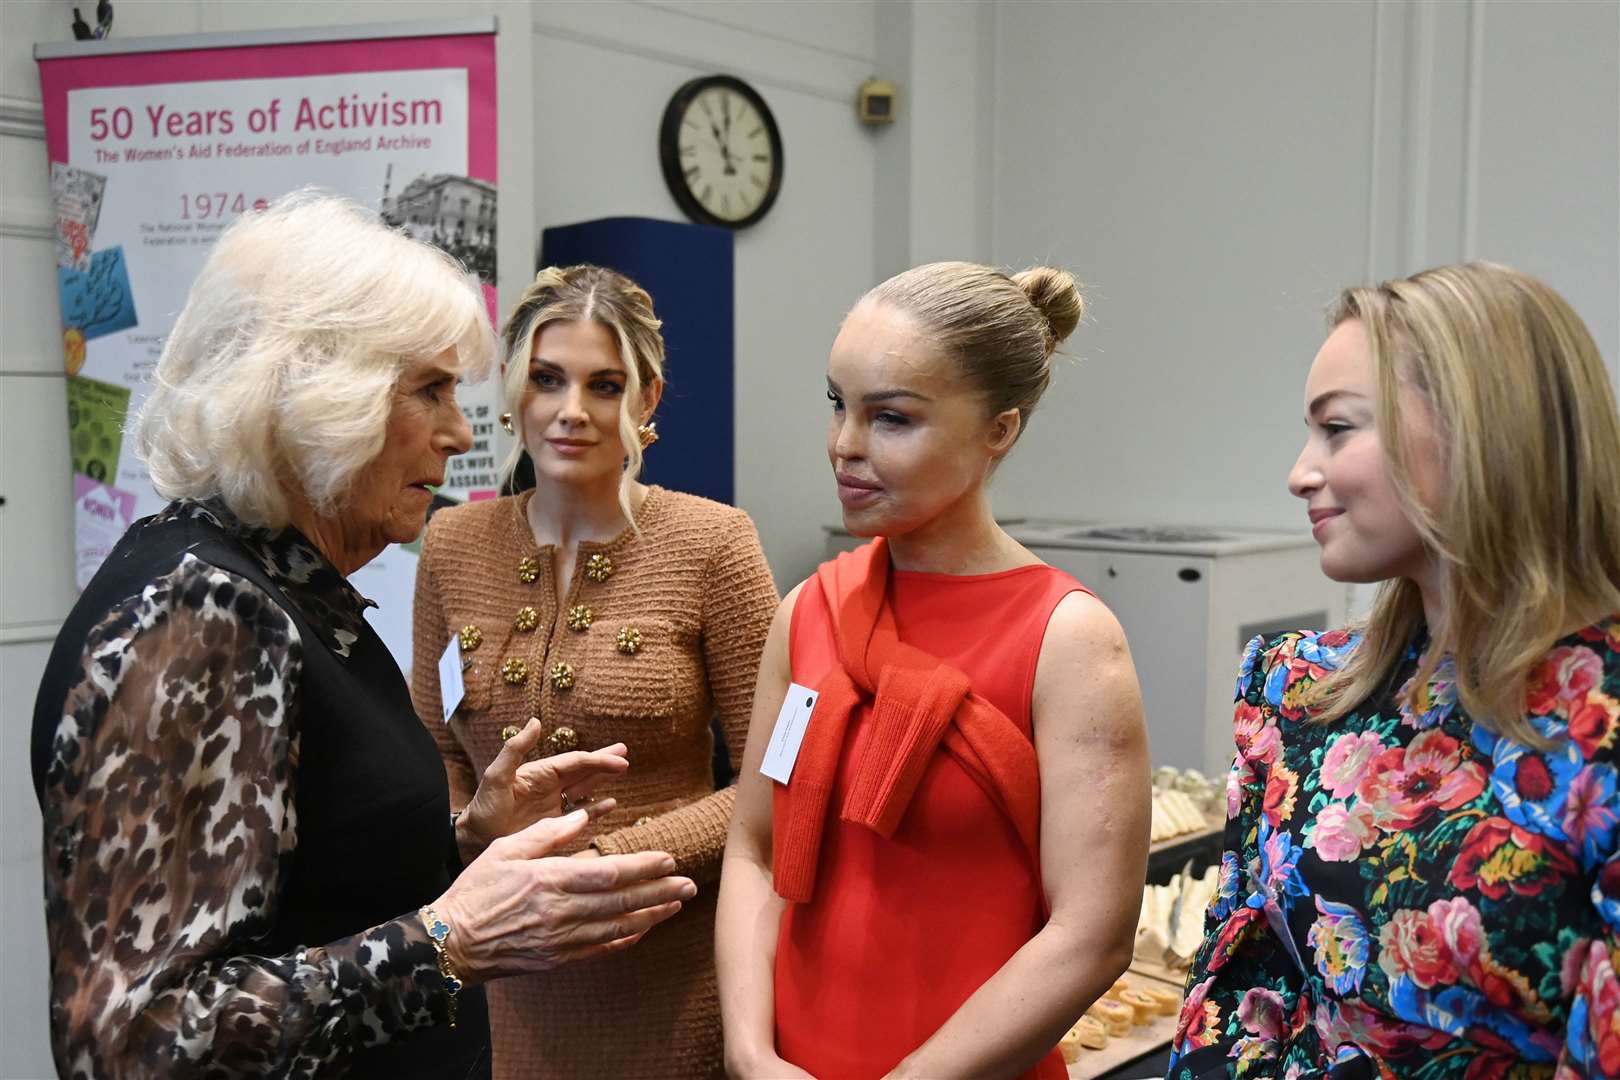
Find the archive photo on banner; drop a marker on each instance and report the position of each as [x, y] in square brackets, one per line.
[154, 153]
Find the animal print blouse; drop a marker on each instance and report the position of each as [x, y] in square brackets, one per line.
[169, 818]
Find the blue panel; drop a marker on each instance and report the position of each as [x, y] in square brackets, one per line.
[689, 271]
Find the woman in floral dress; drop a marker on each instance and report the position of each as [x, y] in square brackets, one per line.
[1421, 875]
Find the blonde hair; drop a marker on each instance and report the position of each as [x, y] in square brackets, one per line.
[1001, 330]
[587, 293]
[280, 370]
[1527, 527]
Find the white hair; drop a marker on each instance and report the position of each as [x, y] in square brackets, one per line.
[279, 376]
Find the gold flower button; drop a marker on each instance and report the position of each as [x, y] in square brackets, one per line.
[644, 820]
[514, 670]
[471, 637]
[562, 740]
[529, 570]
[562, 675]
[527, 619]
[599, 568]
[508, 731]
[629, 641]
[579, 618]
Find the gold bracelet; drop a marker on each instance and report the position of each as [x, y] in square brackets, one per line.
[438, 931]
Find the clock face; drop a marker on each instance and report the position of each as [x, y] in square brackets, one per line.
[721, 152]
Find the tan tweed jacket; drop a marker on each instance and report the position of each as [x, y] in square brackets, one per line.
[654, 634]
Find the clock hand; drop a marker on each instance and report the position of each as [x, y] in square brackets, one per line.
[725, 111]
[725, 149]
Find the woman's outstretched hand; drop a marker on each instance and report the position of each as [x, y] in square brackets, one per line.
[518, 909]
[514, 793]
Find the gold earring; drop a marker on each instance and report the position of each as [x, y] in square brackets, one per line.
[648, 433]
[506, 422]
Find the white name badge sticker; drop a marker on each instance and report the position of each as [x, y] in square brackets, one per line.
[788, 735]
[451, 688]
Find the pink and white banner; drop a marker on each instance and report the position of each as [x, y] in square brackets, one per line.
[155, 147]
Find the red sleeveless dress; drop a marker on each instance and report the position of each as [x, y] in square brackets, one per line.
[901, 931]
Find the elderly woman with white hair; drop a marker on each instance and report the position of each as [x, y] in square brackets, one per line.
[250, 862]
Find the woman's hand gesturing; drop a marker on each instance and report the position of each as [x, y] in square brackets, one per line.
[515, 910]
[514, 793]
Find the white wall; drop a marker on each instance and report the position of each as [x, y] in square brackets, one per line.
[1216, 171]
[934, 168]
[1542, 183]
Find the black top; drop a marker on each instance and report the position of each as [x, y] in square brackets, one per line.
[242, 816]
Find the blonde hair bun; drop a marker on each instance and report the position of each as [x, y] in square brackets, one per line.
[1056, 295]
[1000, 330]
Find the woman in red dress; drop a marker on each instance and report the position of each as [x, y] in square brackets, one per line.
[951, 873]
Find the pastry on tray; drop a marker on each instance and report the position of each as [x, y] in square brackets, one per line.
[1116, 1016]
[1142, 1006]
[1088, 1033]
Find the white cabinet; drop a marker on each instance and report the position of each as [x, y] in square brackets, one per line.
[1189, 600]
[1163, 604]
[1188, 605]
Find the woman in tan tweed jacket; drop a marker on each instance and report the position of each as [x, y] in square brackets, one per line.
[608, 611]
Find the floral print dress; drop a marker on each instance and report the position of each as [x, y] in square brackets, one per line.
[1404, 893]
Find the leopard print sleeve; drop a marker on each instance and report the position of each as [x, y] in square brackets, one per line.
[168, 811]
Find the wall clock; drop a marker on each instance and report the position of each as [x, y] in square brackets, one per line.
[721, 152]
